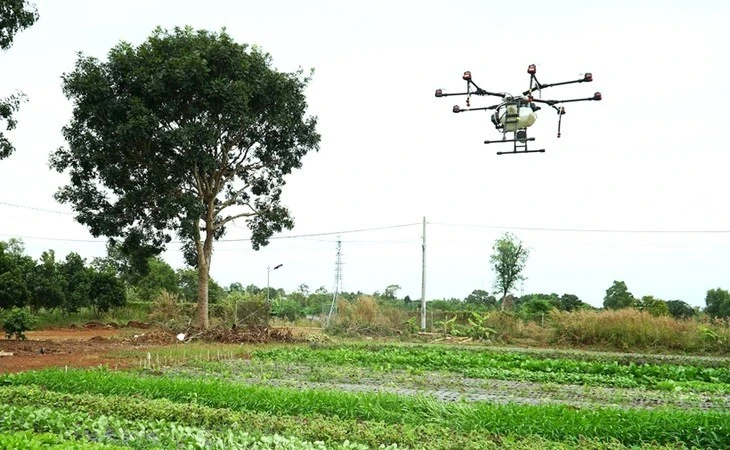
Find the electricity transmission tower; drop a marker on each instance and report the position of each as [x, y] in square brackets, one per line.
[338, 282]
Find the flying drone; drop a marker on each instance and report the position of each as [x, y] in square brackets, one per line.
[514, 114]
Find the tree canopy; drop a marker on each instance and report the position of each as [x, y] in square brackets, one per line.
[618, 296]
[15, 16]
[508, 262]
[183, 134]
[718, 302]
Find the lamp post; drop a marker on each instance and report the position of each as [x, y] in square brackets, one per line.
[268, 273]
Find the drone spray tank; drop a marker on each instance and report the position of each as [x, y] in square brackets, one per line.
[516, 114]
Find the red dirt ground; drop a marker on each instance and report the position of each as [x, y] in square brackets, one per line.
[91, 345]
[75, 347]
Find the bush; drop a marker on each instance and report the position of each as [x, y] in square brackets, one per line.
[17, 322]
[169, 312]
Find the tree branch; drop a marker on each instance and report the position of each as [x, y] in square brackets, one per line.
[234, 217]
[232, 200]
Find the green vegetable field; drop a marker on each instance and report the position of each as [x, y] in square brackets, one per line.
[360, 396]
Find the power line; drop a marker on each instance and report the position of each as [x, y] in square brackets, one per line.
[496, 227]
[13, 205]
[53, 239]
[328, 233]
[230, 240]
[578, 230]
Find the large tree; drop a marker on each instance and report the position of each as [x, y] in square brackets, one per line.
[508, 262]
[480, 297]
[15, 16]
[183, 134]
[618, 296]
[680, 309]
[718, 303]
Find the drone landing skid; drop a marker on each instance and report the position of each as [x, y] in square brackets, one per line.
[516, 152]
[519, 143]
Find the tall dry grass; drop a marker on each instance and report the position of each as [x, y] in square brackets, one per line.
[365, 316]
[630, 329]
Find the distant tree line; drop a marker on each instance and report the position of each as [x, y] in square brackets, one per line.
[72, 283]
[69, 284]
[618, 296]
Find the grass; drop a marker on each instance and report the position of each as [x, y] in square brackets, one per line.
[629, 328]
[57, 318]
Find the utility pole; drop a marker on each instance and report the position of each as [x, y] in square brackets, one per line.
[268, 275]
[338, 281]
[423, 277]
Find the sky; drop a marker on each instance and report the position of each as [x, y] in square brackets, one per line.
[634, 190]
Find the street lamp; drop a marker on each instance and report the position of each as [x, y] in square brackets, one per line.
[268, 273]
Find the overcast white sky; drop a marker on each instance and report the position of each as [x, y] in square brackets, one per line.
[653, 155]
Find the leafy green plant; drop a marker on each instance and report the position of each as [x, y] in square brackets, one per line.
[17, 322]
[143, 433]
[447, 325]
[509, 365]
[478, 329]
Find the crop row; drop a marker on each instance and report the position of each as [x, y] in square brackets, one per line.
[443, 385]
[509, 365]
[551, 422]
[309, 428]
[144, 433]
[29, 440]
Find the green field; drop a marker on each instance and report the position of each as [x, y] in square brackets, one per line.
[347, 396]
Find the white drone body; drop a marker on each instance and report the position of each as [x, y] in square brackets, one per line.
[513, 117]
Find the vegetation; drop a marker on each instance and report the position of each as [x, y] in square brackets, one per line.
[508, 262]
[17, 322]
[69, 285]
[226, 407]
[109, 289]
[484, 364]
[15, 16]
[201, 131]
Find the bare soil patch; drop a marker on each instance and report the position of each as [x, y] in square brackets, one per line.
[65, 347]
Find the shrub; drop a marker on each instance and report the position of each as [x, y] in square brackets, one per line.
[168, 311]
[17, 322]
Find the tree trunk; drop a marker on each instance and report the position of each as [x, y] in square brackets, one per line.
[203, 271]
[205, 251]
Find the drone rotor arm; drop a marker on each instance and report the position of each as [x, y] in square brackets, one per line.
[587, 78]
[458, 109]
[440, 93]
[597, 97]
[480, 91]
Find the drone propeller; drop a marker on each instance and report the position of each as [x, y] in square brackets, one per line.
[469, 92]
